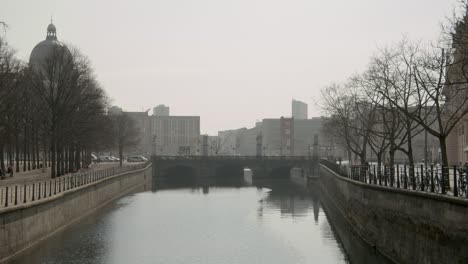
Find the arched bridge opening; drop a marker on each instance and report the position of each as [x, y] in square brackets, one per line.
[180, 174]
[233, 171]
[283, 172]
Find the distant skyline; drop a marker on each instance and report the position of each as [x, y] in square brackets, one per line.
[230, 62]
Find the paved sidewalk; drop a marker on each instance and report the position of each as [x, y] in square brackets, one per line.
[38, 175]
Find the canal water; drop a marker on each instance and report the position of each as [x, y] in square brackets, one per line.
[273, 221]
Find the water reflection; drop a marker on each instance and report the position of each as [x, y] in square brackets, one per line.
[202, 221]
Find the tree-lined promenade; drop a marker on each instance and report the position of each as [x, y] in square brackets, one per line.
[407, 89]
[52, 109]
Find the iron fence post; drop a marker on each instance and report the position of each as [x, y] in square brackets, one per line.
[443, 179]
[432, 178]
[398, 175]
[6, 196]
[455, 190]
[422, 178]
[16, 194]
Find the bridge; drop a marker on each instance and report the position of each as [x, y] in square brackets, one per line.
[233, 166]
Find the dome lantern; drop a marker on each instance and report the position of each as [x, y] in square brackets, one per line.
[51, 32]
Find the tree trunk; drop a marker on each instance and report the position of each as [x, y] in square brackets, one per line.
[17, 154]
[120, 154]
[33, 150]
[379, 168]
[25, 149]
[445, 165]
[53, 161]
[77, 158]
[392, 164]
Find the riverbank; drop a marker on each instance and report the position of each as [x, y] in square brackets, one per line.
[406, 226]
[23, 226]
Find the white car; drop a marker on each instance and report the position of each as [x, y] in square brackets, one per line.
[105, 159]
[137, 159]
[114, 159]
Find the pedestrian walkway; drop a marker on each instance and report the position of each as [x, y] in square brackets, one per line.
[25, 177]
[36, 185]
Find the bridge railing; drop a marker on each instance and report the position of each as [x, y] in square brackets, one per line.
[175, 158]
[21, 194]
[434, 178]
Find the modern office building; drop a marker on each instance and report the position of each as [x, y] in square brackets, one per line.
[175, 135]
[282, 136]
[164, 134]
[299, 110]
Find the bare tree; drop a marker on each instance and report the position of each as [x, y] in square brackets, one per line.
[351, 117]
[125, 133]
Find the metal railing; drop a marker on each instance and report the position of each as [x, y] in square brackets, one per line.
[178, 158]
[447, 180]
[20, 194]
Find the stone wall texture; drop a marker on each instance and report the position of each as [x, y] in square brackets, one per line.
[405, 226]
[26, 225]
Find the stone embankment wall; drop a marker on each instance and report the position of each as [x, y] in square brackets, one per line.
[405, 226]
[23, 226]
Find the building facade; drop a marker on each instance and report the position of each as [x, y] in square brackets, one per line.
[282, 137]
[299, 110]
[161, 110]
[164, 134]
[457, 92]
[175, 135]
[228, 140]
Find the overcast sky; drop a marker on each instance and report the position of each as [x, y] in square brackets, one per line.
[230, 61]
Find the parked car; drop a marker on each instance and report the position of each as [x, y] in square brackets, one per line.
[136, 159]
[105, 159]
[115, 159]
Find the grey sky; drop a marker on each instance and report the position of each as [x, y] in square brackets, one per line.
[229, 61]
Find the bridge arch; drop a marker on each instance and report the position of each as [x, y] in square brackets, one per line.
[179, 173]
[230, 170]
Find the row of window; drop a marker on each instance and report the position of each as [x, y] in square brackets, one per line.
[176, 140]
[180, 127]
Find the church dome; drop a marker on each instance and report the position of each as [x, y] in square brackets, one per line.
[46, 48]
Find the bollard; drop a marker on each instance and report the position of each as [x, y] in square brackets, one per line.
[33, 192]
[50, 188]
[55, 187]
[39, 190]
[45, 190]
[24, 200]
